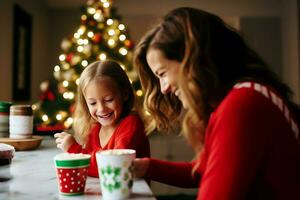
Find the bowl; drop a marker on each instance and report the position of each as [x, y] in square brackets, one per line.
[23, 144]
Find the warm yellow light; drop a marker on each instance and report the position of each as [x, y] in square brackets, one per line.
[102, 56]
[123, 67]
[70, 120]
[76, 35]
[65, 83]
[75, 60]
[123, 51]
[139, 93]
[81, 30]
[80, 48]
[111, 32]
[84, 63]
[96, 16]
[45, 118]
[66, 95]
[57, 68]
[111, 42]
[85, 41]
[122, 37]
[34, 106]
[66, 66]
[121, 27]
[77, 81]
[83, 17]
[58, 117]
[106, 5]
[103, 1]
[80, 42]
[71, 95]
[62, 57]
[130, 81]
[91, 10]
[90, 34]
[109, 22]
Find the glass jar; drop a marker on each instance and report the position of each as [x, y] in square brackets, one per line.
[20, 121]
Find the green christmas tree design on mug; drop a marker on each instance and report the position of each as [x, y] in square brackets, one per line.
[111, 177]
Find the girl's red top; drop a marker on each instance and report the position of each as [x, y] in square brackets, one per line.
[129, 134]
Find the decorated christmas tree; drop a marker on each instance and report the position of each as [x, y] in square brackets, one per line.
[100, 36]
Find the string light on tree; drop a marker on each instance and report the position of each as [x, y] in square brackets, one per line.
[100, 35]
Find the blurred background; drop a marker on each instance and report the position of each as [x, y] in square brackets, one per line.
[271, 27]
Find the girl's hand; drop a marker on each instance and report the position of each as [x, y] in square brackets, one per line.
[64, 140]
[140, 167]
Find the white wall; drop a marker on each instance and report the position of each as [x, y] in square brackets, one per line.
[50, 25]
[39, 70]
[134, 11]
[290, 43]
[140, 14]
[5, 50]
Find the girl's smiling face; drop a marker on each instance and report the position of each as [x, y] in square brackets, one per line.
[104, 101]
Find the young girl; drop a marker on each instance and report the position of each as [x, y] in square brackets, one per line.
[104, 117]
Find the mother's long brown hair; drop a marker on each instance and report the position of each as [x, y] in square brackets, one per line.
[213, 58]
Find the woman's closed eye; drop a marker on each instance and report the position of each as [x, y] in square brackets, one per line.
[161, 75]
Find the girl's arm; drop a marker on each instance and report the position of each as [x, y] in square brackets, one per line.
[75, 148]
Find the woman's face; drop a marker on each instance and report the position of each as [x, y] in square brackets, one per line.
[104, 101]
[167, 71]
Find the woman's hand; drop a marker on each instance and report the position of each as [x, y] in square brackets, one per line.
[64, 140]
[140, 167]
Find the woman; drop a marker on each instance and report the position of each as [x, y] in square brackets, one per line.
[238, 116]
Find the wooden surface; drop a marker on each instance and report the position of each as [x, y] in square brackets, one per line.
[23, 144]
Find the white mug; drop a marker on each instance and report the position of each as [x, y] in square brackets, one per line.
[115, 169]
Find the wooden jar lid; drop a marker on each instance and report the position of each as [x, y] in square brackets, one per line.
[20, 110]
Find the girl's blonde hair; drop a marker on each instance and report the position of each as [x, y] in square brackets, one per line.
[83, 121]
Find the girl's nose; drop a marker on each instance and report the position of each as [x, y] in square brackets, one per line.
[100, 107]
[164, 86]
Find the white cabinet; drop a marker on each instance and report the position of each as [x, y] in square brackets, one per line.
[172, 147]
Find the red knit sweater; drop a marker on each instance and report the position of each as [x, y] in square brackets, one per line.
[128, 135]
[250, 152]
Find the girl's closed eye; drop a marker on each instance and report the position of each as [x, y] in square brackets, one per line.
[91, 103]
[110, 99]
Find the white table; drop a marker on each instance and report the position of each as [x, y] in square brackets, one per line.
[32, 175]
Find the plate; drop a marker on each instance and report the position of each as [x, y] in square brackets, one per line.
[23, 144]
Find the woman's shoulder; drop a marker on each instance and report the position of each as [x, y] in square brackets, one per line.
[254, 91]
[252, 97]
[257, 92]
[255, 99]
